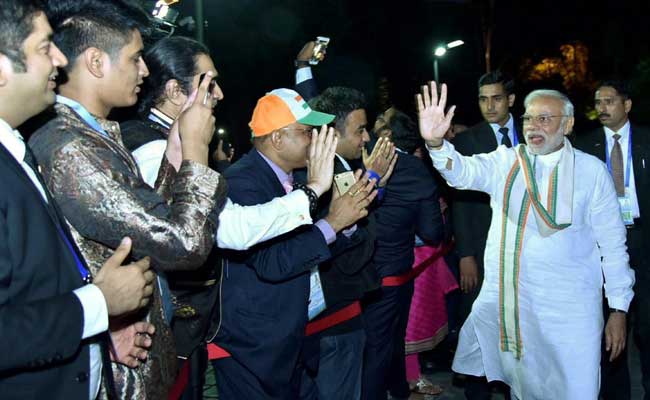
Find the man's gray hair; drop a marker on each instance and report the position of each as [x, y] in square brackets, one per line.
[535, 94]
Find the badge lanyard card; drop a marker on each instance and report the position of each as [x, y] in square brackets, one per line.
[624, 201]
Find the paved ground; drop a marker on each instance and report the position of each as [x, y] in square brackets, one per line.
[456, 393]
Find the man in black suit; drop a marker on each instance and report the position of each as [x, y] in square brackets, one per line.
[471, 212]
[334, 356]
[53, 320]
[267, 290]
[409, 207]
[626, 157]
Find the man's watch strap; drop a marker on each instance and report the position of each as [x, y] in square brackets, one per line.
[311, 195]
[616, 310]
[300, 64]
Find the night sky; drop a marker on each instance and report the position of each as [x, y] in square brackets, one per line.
[390, 43]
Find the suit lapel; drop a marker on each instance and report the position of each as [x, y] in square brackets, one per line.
[20, 172]
[50, 206]
[486, 141]
[338, 166]
[266, 174]
[600, 145]
[639, 155]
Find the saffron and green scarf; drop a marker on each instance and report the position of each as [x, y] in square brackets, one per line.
[520, 195]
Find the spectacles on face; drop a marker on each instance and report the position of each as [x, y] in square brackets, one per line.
[542, 120]
[304, 131]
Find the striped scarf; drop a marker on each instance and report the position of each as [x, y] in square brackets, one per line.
[520, 195]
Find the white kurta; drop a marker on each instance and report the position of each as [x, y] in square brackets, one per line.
[560, 280]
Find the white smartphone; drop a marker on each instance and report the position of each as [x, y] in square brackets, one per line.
[319, 49]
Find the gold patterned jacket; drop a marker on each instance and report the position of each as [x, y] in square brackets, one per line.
[98, 186]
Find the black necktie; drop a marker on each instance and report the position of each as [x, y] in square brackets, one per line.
[31, 160]
[505, 140]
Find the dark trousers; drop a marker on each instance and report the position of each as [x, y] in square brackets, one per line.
[236, 382]
[478, 388]
[467, 299]
[642, 328]
[615, 376]
[198, 361]
[339, 372]
[385, 316]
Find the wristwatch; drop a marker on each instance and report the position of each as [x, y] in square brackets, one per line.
[300, 64]
[616, 310]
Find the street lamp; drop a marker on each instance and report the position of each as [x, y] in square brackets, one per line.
[441, 51]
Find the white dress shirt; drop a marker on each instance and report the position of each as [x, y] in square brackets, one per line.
[91, 298]
[239, 227]
[511, 130]
[624, 140]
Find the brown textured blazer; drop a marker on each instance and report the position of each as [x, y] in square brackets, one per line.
[99, 188]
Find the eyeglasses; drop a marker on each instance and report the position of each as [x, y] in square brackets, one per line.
[543, 120]
[304, 131]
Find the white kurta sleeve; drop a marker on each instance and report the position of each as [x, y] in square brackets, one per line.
[478, 172]
[243, 227]
[149, 157]
[610, 234]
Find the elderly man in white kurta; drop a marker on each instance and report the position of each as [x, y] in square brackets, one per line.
[556, 233]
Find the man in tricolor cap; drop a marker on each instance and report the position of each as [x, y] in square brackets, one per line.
[556, 232]
[269, 291]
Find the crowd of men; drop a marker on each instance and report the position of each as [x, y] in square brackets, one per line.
[130, 259]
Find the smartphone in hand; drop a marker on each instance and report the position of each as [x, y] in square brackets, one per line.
[319, 50]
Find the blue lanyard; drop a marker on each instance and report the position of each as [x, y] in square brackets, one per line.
[629, 158]
[82, 113]
[92, 122]
[515, 140]
[85, 274]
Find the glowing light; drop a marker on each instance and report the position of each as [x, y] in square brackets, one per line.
[455, 43]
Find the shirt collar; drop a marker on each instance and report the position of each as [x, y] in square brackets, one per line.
[12, 140]
[510, 125]
[279, 173]
[344, 162]
[160, 117]
[624, 131]
[110, 128]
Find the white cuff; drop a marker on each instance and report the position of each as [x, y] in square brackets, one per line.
[95, 310]
[442, 155]
[243, 227]
[619, 303]
[303, 74]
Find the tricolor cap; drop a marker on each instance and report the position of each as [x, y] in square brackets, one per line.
[283, 107]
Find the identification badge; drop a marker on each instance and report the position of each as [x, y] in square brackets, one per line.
[316, 297]
[626, 208]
